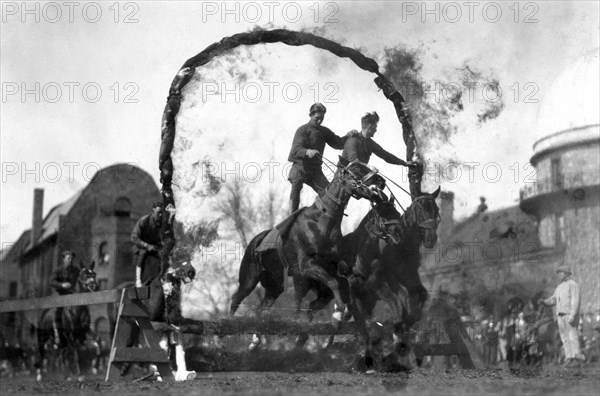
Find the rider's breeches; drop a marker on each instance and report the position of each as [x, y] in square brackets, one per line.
[569, 337]
[298, 177]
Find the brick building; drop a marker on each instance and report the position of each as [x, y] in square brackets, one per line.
[95, 223]
[489, 257]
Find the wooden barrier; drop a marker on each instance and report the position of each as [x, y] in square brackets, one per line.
[459, 344]
[241, 325]
[131, 309]
[69, 300]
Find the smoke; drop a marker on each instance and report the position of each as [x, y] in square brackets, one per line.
[442, 107]
[236, 125]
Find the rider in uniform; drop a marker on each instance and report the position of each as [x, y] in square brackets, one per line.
[307, 151]
[63, 280]
[146, 238]
[361, 146]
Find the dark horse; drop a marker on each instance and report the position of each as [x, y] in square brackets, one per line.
[383, 255]
[75, 327]
[310, 247]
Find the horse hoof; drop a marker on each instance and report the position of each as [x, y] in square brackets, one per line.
[336, 317]
[347, 315]
[38, 377]
[254, 343]
[185, 375]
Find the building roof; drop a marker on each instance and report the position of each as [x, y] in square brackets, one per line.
[495, 235]
[50, 223]
[13, 253]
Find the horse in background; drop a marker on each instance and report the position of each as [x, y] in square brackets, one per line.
[74, 331]
[307, 246]
[161, 288]
[383, 254]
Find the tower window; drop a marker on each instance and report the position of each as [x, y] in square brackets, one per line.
[103, 255]
[555, 174]
[122, 207]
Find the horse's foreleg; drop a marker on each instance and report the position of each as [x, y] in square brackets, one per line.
[324, 296]
[43, 336]
[273, 285]
[314, 271]
[300, 291]
[182, 374]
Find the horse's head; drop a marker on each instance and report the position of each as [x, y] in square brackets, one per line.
[384, 221]
[361, 180]
[424, 214]
[184, 273]
[87, 279]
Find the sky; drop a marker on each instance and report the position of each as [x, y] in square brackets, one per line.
[84, 87]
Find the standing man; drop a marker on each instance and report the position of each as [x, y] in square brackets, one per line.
[307, 151]
[63, 280]
[566, 300]
[146, 238]
[360, 148]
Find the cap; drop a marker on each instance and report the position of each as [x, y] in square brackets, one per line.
[317, 108]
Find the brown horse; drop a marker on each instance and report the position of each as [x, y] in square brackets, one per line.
[383, 257]
[310, 247]
[75, 322]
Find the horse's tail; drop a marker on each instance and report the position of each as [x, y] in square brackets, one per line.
[249, 274]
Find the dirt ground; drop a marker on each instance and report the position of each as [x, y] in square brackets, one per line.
[551, 381]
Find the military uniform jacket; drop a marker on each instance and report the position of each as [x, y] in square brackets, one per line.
[313, 137]
[69, 274]
[145, 232]
[359, 148]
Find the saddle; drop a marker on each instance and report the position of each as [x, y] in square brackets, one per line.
[274, 238]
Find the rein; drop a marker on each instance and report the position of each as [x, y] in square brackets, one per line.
[354, 182]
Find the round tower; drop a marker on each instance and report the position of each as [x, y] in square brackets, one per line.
[565, 195]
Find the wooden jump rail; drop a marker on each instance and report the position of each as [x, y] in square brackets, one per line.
[131, 308]
[69, 300]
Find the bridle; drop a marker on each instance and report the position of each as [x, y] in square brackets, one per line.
[358, 182]
[350, 185]
[186, 273]
[379, 228]
[423, 225]
[87, 280]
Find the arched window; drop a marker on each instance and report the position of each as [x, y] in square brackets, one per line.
[122, 207]
[103, 255]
